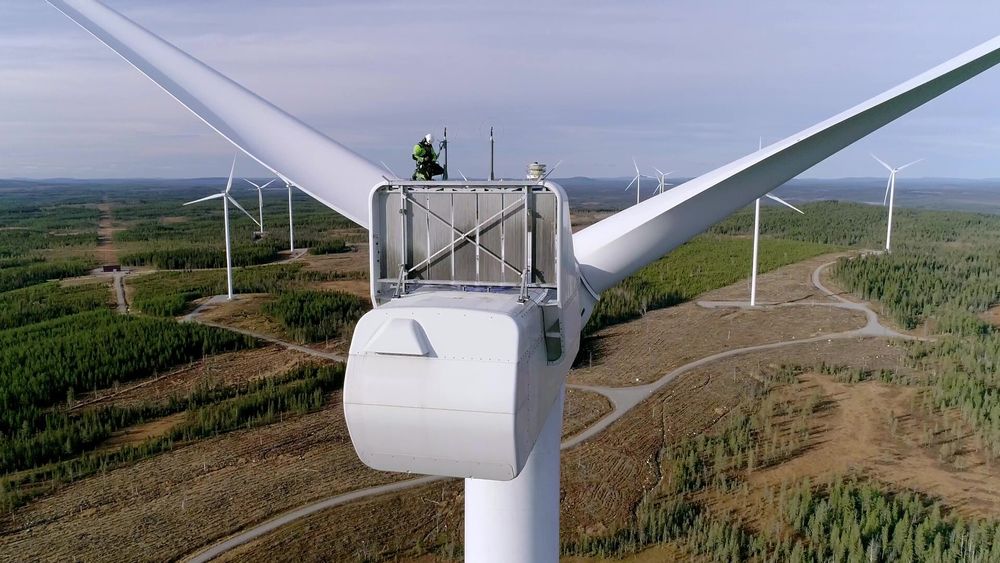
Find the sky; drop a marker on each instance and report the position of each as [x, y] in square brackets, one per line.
[681, 85]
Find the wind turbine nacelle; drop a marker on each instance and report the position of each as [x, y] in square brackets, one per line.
[477, 321]
[449, 383]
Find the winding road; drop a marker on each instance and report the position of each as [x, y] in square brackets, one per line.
[623, 399]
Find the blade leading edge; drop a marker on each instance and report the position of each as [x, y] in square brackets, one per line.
[319, 166]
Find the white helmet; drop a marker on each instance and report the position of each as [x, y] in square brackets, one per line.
[429, 138]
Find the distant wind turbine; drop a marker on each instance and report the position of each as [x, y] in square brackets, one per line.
[890, 194]
[260, 201]
[226, 200]
[662, 178]
[756, 241]
[637, 180]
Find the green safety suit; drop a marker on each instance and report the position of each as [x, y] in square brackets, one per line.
[426, 159]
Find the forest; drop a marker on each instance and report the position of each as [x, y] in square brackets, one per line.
[63, 451]
[16, 277]
[315, 316]
[202, 257]
[49, 362]
[49, 301]
[169, 294]
[35, 221]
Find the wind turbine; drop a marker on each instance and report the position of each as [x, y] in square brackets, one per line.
[512, 509]
[291, 220]
[226, 200]
[890, 194]
[637, 180]
[756, 240]
[662, 179]
[260, 200]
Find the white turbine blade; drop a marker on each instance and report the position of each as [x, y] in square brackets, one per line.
[254, 184]
[240, 207]
[630, 183]
[783, 202]
[386, 166]
[229, 183]
[462, 175]
[882, 162]
[613, 248]
[206, 198]
[658, 171]
[636, 164]
[551, 170]
[319, 166]
[908, 164]
[885, 199]
[273, 180]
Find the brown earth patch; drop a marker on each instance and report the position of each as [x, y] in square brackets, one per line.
[644, 350]
[877, 431]
[353, 263]
[225, 369]
[583, 219]
[139, 433]
[991, 316]
[360, 288]
[245, 313]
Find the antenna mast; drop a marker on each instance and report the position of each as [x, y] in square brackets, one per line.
[444, 149]
[492, 177]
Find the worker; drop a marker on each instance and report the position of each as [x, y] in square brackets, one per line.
[426, 159]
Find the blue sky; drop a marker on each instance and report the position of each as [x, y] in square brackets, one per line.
[685, 86]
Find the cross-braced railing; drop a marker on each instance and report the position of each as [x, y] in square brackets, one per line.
[488, 235]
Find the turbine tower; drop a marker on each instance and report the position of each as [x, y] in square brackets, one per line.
[226, 200]
[756, 240]
[260, 201]
[445, 381]
[890, 194]
[291, 220]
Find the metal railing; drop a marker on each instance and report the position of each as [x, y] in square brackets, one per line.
[492, 234]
